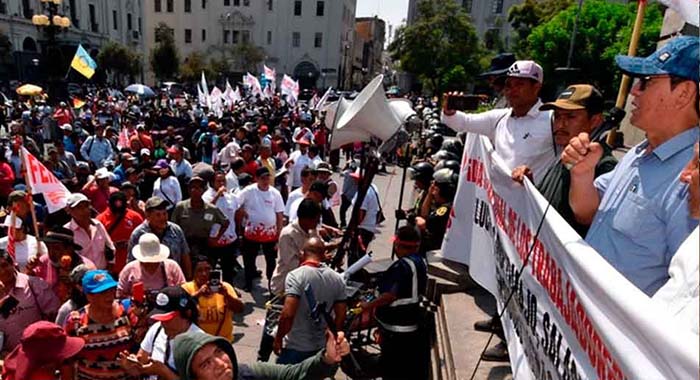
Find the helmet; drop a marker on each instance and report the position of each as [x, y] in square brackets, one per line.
[451, 164]
[453, 145]
[435, 141]
[445, 155]
[422, 171]
[446, 175]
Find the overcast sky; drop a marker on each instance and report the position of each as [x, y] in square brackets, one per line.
[391, 11]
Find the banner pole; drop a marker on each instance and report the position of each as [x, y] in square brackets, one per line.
[30, 199]
[626, 80]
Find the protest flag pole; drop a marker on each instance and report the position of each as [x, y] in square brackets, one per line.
[626, 79]
[30, 198]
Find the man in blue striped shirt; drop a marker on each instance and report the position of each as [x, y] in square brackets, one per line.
[97, 149]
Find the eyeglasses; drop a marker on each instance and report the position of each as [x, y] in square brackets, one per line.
[644, 81]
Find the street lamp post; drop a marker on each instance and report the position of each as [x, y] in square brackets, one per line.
[51, 22]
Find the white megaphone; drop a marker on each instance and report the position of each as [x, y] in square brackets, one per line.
[369, 116]
[402, 108]
[342, 137]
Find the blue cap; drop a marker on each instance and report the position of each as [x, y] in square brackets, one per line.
[98, 281]
[679, 57]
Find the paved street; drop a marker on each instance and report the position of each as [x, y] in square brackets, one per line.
[248, 325]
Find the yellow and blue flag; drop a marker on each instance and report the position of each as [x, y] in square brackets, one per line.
[83, 63]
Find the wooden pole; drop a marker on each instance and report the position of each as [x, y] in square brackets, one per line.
[30, 199]
[626, 79]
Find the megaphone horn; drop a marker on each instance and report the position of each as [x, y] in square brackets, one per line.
[369, 116]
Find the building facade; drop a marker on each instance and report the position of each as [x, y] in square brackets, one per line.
[367, 59]
[93, 22]
[310, 40]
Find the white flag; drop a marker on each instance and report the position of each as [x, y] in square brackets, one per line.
[271, 75]
[229, 96]
[216, 102]
[253, 84]
[237, 95]
[688, 9]
[205, 90]
[323, 99]
[43, 181]
[201, 98]
[290, 88]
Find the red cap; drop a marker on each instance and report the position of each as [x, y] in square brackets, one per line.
[42, 343]
[263, 128]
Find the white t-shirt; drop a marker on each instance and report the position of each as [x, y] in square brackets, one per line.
[262, 208]
[228, 204]
[156, 345]
[300, 161]
[680, 295]
[293, 196]
[168, 189]
[25, 249]
[294, 207]
[371, 206]
[229, 153]
[231, 181]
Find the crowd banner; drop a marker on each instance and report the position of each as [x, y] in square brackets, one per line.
[572, 316]
[42, 181]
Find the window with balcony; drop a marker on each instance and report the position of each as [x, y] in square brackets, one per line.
[188, 6]
[129, 24]
[227, 35]
[296, 39]
[204, 35]
[93, 18]
[269, 37]
[245, 36]
[115, 20]
[236, 37]
[204, 4]
[318, 40]
[320, 8]
[297, 8]
[3, 7]
[227, 3]
[157, 6]
[188, 36]
[497, 7]
[170, 6]
[236, 3]
[270, 5]
[27, 10]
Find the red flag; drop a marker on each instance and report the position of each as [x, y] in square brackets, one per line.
[11, 232]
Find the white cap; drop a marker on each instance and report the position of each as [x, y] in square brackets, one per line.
[76, 198]
[67, 127]
[145, 151]
[526, 69]
[103, 173]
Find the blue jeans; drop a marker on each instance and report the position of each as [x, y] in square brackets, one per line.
[289, 356]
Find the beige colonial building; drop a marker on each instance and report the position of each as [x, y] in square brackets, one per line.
[310, 40]
[93, 22]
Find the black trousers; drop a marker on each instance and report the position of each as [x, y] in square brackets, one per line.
[404, 355]
[267, 340]
[250, 250]
[345, 204]
[226, 257]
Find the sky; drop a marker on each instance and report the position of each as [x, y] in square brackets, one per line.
[391, 11]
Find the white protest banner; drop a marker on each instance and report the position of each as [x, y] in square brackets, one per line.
[216, 101]
[42, 181]
[290, 88]
[253, 84]
[271, 75]
[572, 316]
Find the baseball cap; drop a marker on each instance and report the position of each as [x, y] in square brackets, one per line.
[577, 97]
[98, 281]
[170, 302]
[157, 203]
[679, 57]
[103, 173]
[161, 164]
[76, 198]
[145, 151]
[323, 167]
[526, 69]
[67, 127]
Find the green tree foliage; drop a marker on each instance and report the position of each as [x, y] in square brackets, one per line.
[441, 39]
[192, 67]
[219, 65]
[604, 30]
[165, 59]
[118, 60]
[248, 56]
[531, 13]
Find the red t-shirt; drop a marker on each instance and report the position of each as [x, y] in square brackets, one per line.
[120, 234]
[98, 197]
[251, 167]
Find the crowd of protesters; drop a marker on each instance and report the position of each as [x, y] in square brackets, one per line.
[134, 277]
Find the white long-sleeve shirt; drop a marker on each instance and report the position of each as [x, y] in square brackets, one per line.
[168, 189]
[525, 140]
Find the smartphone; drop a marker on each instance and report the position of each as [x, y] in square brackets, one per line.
[138, 293]
[9, 304]
[462, 103]
[214, 280]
